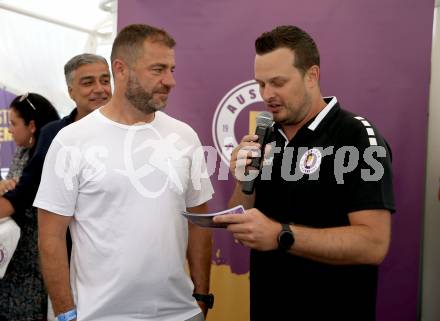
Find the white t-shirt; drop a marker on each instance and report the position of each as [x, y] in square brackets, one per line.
[125, 187]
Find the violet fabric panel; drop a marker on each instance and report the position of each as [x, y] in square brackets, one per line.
[7, 145]
[375, 57]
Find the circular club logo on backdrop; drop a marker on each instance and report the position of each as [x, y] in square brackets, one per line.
[310, 161]
[226, 114]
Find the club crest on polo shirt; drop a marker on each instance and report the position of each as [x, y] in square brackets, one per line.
[232, 115]
[310, 161]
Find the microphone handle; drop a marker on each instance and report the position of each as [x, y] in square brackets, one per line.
[263, 133]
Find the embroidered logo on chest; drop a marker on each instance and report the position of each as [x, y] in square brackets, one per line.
[310, 161]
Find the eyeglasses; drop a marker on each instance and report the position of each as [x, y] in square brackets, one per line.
[25, 97]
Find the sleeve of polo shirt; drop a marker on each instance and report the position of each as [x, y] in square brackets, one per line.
[58, 188]
[370, 186]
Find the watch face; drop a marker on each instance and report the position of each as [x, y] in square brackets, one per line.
[286, 240]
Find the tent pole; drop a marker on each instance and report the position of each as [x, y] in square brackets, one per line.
[51, 20]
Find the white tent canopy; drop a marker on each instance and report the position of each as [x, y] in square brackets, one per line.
[38, 37]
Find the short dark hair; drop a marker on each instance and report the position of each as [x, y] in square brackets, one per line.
[80, 60]
[128, 44]
[34, 107]
[293, 38]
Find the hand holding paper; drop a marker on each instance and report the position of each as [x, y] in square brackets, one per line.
[253, 229]
[206, 220]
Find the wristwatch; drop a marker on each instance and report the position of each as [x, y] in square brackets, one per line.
[208, 299]
[285, 238]
[67, 316]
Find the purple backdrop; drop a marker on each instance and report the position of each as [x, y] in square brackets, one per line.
[7, 146]
[375, 59]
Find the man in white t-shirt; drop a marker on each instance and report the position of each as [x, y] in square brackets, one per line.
[120, 179]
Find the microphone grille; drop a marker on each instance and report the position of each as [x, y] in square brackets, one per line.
[265, 119]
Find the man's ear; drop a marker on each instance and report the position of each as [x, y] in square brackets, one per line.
[120, 68]
[312, 76]
[69, 89]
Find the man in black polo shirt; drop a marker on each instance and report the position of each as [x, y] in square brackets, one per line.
[319, 220]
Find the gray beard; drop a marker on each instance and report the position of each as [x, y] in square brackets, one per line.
[140, 98]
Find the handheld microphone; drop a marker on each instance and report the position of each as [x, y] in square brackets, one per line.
[263, 131]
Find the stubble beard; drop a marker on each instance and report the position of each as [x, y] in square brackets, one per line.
[297, 114]
[141, 99]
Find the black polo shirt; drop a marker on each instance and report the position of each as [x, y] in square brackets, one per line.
[321, 195]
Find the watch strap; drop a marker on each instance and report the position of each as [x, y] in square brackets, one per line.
[286, 227]
[208, 299]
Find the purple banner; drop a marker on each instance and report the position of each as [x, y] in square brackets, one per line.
[7, 145]
[375, 57]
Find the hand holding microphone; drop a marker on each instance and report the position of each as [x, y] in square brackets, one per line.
[243, 158]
